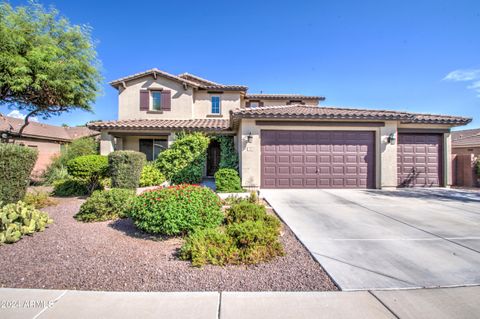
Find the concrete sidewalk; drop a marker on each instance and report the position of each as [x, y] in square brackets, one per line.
[463, 302]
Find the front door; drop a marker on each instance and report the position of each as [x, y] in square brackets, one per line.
[213, 158]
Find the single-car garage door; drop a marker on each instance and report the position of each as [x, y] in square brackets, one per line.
[419, 160]
[318, 159]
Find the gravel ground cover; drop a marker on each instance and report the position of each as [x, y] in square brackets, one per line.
[115, 256]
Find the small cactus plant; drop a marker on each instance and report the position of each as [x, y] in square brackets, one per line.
[19, 219]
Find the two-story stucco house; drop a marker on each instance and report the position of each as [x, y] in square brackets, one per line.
[283, 140]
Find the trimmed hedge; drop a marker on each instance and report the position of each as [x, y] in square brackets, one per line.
[176, 210]
[16, 165]
[90, 169]
[106, 205]
[19, 219]
[185, 160]
[126, 168]
[227, 181]
[151, 176]
[71, 187]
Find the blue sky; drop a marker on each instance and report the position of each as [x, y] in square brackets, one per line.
[420, 56]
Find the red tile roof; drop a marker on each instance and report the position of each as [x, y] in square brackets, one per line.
[282, 97]
[45, 131]
[466, 138]
[318, 112]
[145, 124]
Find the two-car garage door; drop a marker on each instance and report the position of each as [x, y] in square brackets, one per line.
[318, 159]
[345, 159]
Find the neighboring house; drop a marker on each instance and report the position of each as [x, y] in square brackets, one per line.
[466, 142]
[466, 152]
[47, 139]
[283, 140]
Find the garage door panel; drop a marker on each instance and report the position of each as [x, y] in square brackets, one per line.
[419, 160]
[323, 159]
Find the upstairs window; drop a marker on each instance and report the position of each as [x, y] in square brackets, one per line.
[156, 100]
[254, 104]
[215, 105]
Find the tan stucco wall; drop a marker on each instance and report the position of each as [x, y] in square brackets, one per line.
[203, 103]
[129, 99]
[46, 151]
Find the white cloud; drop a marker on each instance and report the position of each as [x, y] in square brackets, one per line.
[18, 115]
[471, 75]
[463, 75]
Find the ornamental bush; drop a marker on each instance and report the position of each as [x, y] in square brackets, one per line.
[185, 160]
[90, 169]
[228, 153]
[16, 164]
[79, 147]
[106, 205]
[39, 199]
[151, 176]
[176, 210]
[19, 219]
[250, 236]
[71, 187]
[126, 168]
[478, 168]
[227, 181]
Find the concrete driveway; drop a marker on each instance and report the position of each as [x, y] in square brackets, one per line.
[373, 239]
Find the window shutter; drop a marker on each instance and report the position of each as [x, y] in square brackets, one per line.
[247, 104]
[260, 104]
[144, 100]
[166, 100]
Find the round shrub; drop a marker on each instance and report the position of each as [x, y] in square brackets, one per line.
[16, 164]
[90, 169]
[227, 181]
[478, 168]
[106, 205]
[70, 187]
[151, 176]
[126, 168]
[176, 210]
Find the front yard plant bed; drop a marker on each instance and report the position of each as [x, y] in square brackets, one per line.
[116, 256]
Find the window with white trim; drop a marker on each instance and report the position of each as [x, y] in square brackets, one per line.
[215, 105]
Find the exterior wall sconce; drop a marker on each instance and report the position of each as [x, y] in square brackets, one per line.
[391, 138]
[249, 138]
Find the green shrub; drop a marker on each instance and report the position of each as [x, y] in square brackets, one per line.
[70, 187]
[106, 205]
[185, 160]
[89, 168]
[478, 168]
[228, 153]
[209, 246]
[176, 210]
[232, 199]
[16, 164]
[18, 219]
[256, 241]
[39, 199]
[249, 237]
[227, 181]
[126, 168]
[151, 176]
[79, 147]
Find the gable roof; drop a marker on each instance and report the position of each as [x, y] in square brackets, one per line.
[154, 72]
[297, 111]
[197, 79]
[44, 131]
[283, 97]
[466, 138]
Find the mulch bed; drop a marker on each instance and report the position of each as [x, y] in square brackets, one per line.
[115, 256]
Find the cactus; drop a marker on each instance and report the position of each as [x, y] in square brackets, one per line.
[20, 219]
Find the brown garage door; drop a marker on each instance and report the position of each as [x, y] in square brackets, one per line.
[318, 159]
[419, 160]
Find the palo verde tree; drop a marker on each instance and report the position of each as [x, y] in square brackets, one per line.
[47, 65]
